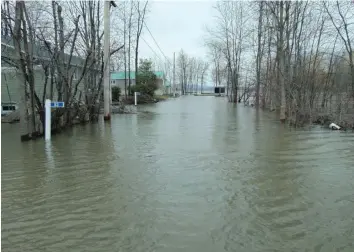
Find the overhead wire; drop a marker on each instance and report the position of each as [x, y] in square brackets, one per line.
[151, 48]
[167, 59]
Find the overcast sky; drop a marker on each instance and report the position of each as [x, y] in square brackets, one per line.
[176, 25]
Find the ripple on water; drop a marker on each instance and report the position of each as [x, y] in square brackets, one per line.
[197, 174]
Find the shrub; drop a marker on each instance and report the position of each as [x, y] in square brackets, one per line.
[116, 93]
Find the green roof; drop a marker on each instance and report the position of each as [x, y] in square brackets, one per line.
[121, 75]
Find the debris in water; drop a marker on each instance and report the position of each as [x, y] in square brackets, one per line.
[334, 126]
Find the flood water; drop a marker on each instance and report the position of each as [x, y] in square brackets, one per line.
[192, 174]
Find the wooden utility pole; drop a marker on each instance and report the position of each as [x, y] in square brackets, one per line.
[106, 84]
[129, 48]
[174, 75]
[125, 53]
[107, 96]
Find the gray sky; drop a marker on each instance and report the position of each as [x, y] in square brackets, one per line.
[176, 25]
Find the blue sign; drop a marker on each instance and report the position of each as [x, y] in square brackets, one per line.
[57, 104]
[60, 104]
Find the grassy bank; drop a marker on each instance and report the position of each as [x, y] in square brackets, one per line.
[161, 97]
[301, 119]
[145, 99]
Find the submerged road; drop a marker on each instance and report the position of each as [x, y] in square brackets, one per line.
[191, 174]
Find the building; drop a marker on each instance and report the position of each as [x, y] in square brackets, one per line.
[12, 82]
[118, 80]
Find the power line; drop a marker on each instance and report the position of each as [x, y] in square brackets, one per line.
[154, 40]
[151, 49]
[156, 43]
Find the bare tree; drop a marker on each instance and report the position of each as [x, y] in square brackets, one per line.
[182, 64]
[259, 51]
[301, 70]
[342, 26]
[140, 24]
[205, 67]
[66, 42]
[229, 39]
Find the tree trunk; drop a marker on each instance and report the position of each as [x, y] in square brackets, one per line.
[281, 69]
[259, 52]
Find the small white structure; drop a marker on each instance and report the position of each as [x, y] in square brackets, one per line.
[48, 120]
[48, 117]
[136, 98]
[334, 126]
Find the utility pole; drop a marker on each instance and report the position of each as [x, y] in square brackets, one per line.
[174, 75]
[106, 56]
[129, 47]
[125, 54]
[106, 84]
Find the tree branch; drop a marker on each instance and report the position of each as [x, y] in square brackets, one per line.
[116, 50]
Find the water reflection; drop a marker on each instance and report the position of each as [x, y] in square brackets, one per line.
[49, 155]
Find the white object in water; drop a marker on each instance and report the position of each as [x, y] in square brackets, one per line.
[136, 98]
[48, 116]
[334, 126]
[48, 120]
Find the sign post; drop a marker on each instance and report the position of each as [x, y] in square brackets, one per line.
[48, 117]
[48, 120]
[136, 98]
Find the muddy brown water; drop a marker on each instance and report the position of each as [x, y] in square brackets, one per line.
[195, 174]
